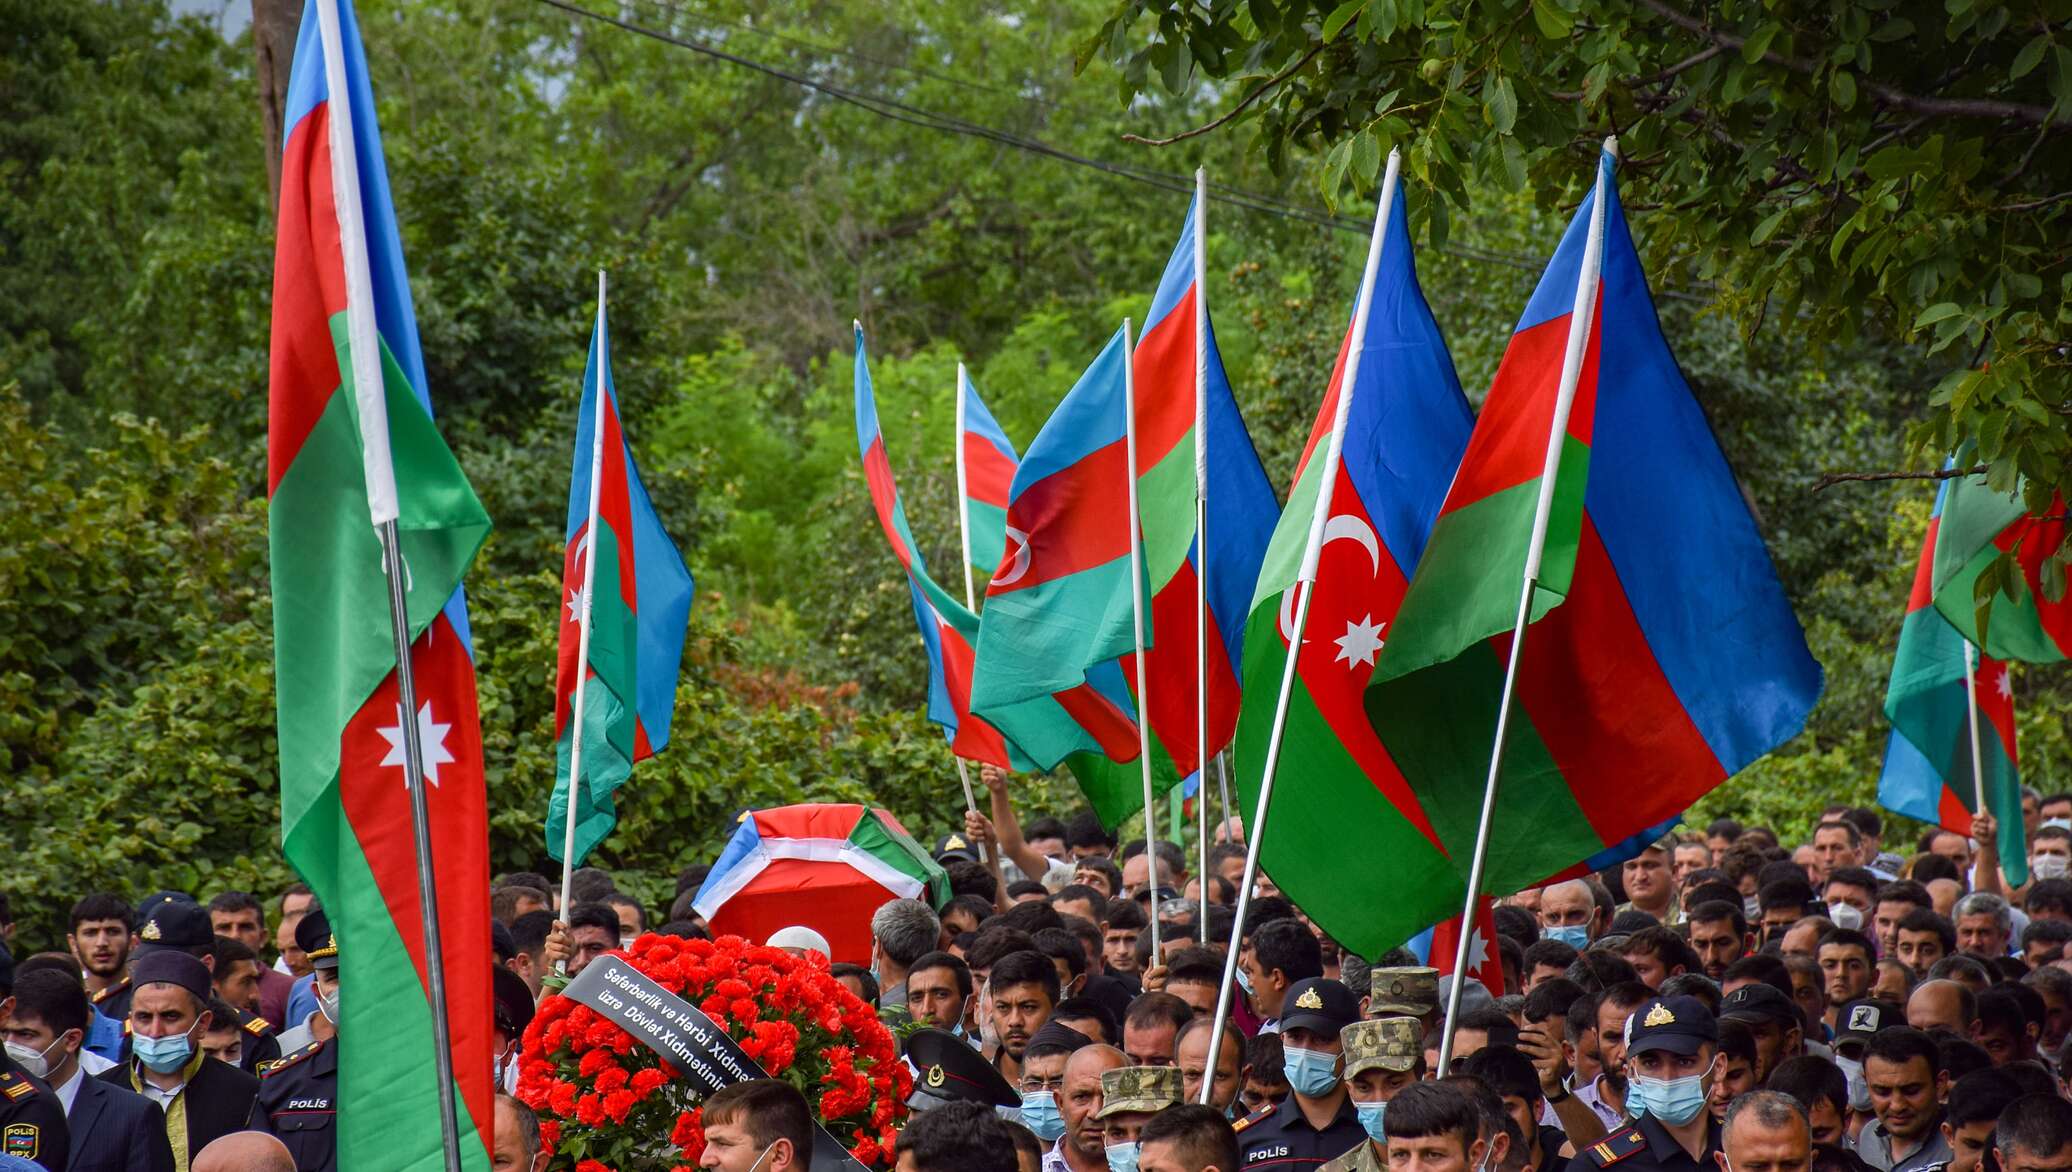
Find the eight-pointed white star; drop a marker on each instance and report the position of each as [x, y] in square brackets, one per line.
[2002, 685]
[578, 599]
[431, 737]
[1478, 952]
[1360, 641]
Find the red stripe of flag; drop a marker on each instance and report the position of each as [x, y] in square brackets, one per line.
[1509, 445]
[302, 360]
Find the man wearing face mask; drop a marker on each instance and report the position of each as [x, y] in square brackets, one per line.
[1042, 1084]
[298, 1094]
[1383, 1056]
[111, 1129]
[1672, 1057]
[201, 1098]
[1130, 1096]
[1317, 1121]
[32, 1118]
[1569, 913]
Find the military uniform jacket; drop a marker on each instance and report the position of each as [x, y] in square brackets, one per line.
[298, 1101]
[260, 1045]
[1643, 1146]
[1363, 1158]
[32, 1121]
[1283, 1140]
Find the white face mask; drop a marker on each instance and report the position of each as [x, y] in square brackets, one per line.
[2049, 866]
[1845, 916]
[36, 1062]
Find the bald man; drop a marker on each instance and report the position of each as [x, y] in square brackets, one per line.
[244, 1151]
[1569, 913]
[1084, 1146]
[1765, 1131]
[1943, 1004]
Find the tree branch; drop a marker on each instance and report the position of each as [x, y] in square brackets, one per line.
[1891, 96]
[1833, 478]
[1240, 108]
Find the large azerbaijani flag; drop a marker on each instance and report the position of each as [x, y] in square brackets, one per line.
[351, 442]
[1058, 615]
[1928, 773]
[1175, 357]
[949, 633]
[985, 474]
[1341, 802]
[1977, 526]
[1662, 657]
[640, 608]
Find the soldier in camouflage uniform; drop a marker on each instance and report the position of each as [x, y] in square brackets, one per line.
[1382, 1056]
[1130, 1096]
[1404, 992]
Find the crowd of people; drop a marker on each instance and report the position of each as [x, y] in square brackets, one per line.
[1722, 1002]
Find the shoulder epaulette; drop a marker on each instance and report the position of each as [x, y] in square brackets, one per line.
[1616, 1147]
[287, 1060]
[1258, 1116]
[110, 991]
[257, 1027]
[14, 1086]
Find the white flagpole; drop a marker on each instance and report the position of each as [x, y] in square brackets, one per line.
[370, 395]
[1129, 416]
[964, 547]
[585, 596]
[1978, 761]
[1305, 583]
[1201, 543]
[1565, 397]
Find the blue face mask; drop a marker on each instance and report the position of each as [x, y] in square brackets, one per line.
[1040, 1115]
[1576, 936]
[164, 1055]
[1244, 980]
[1311, 1073]
[1122, 1157]
[1370, 1118]
[1674, 1101]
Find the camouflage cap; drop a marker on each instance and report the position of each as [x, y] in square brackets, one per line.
[1139, 1088]
[1393, 991]
[1383, 1043]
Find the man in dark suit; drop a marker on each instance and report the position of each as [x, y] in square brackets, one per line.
[199, 1097]
[112, 1129]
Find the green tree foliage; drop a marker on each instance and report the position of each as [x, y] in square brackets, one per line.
[1894, 168]
[744, 221]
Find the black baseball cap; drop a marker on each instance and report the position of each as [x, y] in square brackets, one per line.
[1676, 1025]
[1861, 1018]
[1320, 1004]
[1761, 1002]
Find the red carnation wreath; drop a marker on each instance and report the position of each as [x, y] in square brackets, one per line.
[608, 1103]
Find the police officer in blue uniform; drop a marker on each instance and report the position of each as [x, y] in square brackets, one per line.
[298, 1095]
[1672, 1059]
[1316, 1122]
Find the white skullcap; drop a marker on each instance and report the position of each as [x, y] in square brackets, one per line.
[799, 936]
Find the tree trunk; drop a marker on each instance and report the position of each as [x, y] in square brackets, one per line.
[274, 24]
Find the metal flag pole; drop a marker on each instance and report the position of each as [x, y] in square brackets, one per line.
[964, 546]
[1129, 431]
[585, 596]
[1223, 784]
[1978, 761]
[1304, 584]
[1565, 397]
[970, 597]
[378, 468]
[1201, 545]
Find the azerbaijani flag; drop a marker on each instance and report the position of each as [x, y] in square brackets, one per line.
[1927, 773]
[949, 631]
[1663, 655]
[1189, 433]
[1340, 802]
[1058, 613]
[640, 607]
[1977, 526]
[351, 445]
[985, 472]
[1439, 944]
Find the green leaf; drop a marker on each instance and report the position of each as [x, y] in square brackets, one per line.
[1768, 226]
[1340, 17]
[1936, 313]
[2029, 58]
[1758, 42]
[1842, 88]
[1555, 24]
[1366, 156]
[1501, 104]
[2024, 285]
